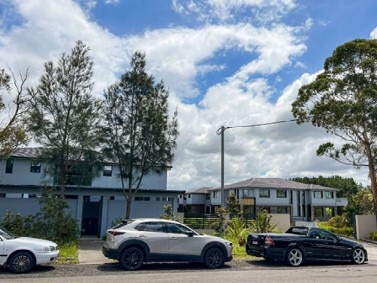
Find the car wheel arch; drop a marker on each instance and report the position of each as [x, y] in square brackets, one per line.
[211, 245]
[136, 243]
[20, 251]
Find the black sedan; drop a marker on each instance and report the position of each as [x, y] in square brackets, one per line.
[300, 244]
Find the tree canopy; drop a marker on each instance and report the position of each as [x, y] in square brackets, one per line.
[64, 117]
[343, 100]
[12, 132]
[141, 136]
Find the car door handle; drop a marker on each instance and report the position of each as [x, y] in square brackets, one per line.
[173, 238]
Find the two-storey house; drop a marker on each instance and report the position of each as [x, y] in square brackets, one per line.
[96, 204]
[278, 196]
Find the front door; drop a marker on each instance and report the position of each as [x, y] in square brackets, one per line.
[91, 215]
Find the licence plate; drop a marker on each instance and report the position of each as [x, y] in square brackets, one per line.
[254, 242]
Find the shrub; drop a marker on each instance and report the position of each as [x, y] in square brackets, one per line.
[237, 231]
[339, 221]
[51, 222]
[345, 231]
[373, 236]
[262, 223]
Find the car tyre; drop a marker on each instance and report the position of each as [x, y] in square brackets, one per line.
[21, 262]
[132, 258]
[358, 256]
[214, 257]
[295, 257]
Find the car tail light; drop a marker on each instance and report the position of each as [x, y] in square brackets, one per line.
[116, 233]
[269, 241]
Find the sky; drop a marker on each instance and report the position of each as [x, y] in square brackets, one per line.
[230, 63]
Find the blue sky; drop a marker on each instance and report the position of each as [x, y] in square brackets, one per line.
[225, 62]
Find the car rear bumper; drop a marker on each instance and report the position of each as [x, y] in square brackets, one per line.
[110, 253]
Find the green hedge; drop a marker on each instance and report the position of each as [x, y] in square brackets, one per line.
[373, 236]
[345, 231]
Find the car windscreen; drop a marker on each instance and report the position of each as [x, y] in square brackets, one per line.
[6, 234]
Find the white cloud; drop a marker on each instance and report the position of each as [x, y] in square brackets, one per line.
[373, 34]
[179, 56]
[225, 10]
[50, 28]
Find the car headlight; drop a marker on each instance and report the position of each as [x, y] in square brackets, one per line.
[50, 249]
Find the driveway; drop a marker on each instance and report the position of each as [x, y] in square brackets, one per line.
[90, 251]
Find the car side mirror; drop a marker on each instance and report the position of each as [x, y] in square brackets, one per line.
[190, 234]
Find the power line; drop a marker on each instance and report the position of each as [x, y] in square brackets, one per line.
[222, 128]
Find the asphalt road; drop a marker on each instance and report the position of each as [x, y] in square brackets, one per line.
[248, 270]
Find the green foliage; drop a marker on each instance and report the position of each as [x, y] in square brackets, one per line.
[12, 131]
[343, 100]
[64, 118]
[237, 231]
[233, 206]
[345, 231]
[373, 236]
[339, 221]
[262, 223]
[51, 222]
[359, 204]
[140, 136]
[68, 253]
[168, 212]
[219, 225]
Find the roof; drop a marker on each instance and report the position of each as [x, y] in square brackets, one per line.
[202, 190]
[36, 152]
[273, 183]
[27, 152]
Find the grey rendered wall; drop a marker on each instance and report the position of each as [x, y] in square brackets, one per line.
[28, 206]
[139, 209]
[364, 225]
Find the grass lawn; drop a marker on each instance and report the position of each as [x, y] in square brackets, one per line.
[69, 253]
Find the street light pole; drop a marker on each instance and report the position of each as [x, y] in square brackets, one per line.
[221, 131]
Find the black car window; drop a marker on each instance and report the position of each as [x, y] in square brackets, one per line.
[150, 227]
[326, 235]
[177, 229]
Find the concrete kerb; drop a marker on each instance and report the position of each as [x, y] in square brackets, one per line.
[90, 251]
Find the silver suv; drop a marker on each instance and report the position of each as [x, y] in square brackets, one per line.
[134, 242]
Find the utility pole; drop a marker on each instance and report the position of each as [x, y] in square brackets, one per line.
[221, 131]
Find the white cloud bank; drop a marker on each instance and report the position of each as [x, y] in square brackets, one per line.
[178, 55]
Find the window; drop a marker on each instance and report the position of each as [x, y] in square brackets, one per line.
[282, 209]
[158, 198]
[108, 170]
[264, 193]
[150, 227]
[177, 229]
[317, 194]
[281, 193]
[142, 198]
[247, 193]
[329, 194]
[189, 195]
[35, 167]
[9, 166]
[215, 194]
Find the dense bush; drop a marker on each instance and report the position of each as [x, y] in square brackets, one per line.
[51, 222]
[345, 231]
[373, 236]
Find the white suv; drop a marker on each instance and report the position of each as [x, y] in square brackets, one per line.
[21, 254]
[151, 240]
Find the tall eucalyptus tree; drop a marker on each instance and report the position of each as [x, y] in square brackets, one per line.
[141, 136]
